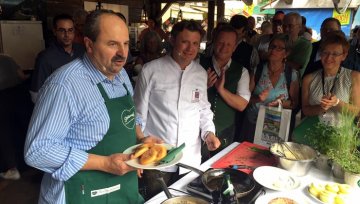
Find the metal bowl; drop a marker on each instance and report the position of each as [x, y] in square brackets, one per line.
[294, 157]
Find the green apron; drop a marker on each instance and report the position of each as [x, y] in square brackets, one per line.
[96, 187]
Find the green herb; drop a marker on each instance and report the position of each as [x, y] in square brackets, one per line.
[319, 137]
[262, 151]
[345, 142]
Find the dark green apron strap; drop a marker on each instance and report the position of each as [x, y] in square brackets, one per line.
[103, 92]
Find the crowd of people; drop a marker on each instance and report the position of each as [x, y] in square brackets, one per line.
[87, 111]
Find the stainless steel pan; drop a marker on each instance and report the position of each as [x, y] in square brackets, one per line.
[179, 199]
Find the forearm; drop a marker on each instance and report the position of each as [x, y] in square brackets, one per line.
[139, 133]
[254, 99]
[96, 162]
[233, 100]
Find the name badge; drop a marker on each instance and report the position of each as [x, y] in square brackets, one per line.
[195, 97]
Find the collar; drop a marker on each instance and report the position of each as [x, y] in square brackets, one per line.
[176, 65]
[96, 76]
[217, 68]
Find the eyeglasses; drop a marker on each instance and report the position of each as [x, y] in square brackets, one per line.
[63, 30]
[276, 48]
[330, 54]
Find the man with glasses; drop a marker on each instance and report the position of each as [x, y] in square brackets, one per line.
[60, 52]
[301, 47]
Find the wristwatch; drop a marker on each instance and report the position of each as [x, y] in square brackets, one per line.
[337, 102]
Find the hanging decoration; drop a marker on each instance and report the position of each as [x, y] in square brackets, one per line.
[180, 16]
[144, 15]
[98, 6]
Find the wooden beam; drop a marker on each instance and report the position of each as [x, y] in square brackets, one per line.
[163, 11]
[220, 10]
[211, 16]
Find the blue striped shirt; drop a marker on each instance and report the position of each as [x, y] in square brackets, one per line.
[69, 118]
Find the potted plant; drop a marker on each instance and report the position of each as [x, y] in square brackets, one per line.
[345, 143]
[318, 137]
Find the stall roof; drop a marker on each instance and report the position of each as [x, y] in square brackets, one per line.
[280, 4]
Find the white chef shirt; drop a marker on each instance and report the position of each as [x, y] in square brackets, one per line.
[242, 88]
[173, 105]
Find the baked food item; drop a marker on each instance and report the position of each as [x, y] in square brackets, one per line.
[161, 151]
[148, 157]
[282, 201]
[141, 149]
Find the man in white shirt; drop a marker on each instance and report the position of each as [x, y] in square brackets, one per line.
[228, 84]
[171, 99]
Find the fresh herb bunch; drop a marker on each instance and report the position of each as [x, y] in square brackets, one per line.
[318, 137]
[345, 142]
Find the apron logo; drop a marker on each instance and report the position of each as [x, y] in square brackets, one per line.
[128, 118]
[104, 191]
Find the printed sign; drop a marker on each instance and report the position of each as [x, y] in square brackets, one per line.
[344, 18]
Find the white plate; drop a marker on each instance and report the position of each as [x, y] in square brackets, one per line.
[275, 178]
[265, 199]
[135, 163]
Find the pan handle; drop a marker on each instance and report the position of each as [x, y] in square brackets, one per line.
[191, 168]
[163, 186]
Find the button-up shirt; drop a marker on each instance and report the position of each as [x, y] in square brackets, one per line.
[173, 105]
[70, 117]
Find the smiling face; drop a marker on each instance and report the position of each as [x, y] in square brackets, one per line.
[277, 50]
[224, 46]
[110, 49]
[186, 47]
[332, 55]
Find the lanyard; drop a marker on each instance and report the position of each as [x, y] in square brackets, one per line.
[333, 86]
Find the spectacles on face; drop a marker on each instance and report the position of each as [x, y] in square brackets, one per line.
[276, 48]
[68, 31]
[330, 54]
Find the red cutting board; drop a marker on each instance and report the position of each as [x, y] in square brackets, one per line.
[243, 154]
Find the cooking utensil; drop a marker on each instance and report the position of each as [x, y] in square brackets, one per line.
[178, 199]
[230, 186]
[172, 154]
[240, 166]
[213, 178]
[288, 161]
[291, 151]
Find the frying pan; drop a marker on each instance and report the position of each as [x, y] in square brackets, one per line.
[178, 199]
[213, 178]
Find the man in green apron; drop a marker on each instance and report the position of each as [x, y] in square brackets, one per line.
[228, 85]
[84, 120]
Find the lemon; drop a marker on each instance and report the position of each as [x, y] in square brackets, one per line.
[339, 199]
[333, 187]
[327, 196]
[315, 189]
[344, 189]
